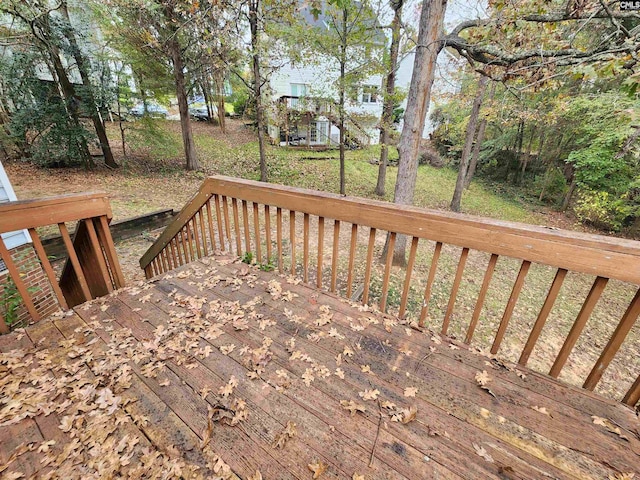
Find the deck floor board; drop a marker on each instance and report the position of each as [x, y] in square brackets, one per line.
[172, 338]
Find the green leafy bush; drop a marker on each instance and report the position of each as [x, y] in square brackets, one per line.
[602, 210]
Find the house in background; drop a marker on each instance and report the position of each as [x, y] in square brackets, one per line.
[305, 107]
[21, 249]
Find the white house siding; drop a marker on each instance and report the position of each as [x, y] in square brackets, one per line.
[320, 79]
[11, 239]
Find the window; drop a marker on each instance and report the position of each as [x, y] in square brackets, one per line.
[370, 94]
[3, 267]
[297, 90]
[314, 132]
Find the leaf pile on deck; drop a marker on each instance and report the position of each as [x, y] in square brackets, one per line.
[84, 385]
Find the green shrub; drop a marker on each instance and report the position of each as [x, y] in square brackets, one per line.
[601, 210]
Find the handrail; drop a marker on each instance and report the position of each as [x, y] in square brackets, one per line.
[603, 257]
[92, 269]
[587, 253]
[23, 214]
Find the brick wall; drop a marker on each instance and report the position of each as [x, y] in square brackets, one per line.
[37, 283]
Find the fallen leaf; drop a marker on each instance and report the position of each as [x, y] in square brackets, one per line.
[542, 410]
[357, 476]
[410, 391]
[609, 425]
[482, 378]
[369, 394]
[288, 432]
[352, 406]
[255, 476]
[318, 468]
[623, 476]
[482, 452]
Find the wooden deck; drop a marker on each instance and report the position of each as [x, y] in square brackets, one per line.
[204, 369]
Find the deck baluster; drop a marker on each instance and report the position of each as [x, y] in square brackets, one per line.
[256, 228]
[407, 278]
[279, 238]
[387, 272]
[305, 248]
[558, 280]
[267, 228]
[454, 290]
[352, 258]
[292, 240]
[245, 222]
[367, 271]
[481, 297]
[216, 199]
[320, 252]
[335, 253]
[431, 277]
[236, 226]
[511, 304]
[622, 330]
[585, 312]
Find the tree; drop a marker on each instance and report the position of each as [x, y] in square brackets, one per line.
[89, 97]
[522, 37]
[386, 122]
[424, 64]
[258, 83]
[41, 39]
[158, 27]
[463, 168]
[353, 42]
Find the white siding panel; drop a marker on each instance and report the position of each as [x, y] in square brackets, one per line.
[11, 239]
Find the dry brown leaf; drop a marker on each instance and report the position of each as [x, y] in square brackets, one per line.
[482, 452]
[623, 476]
[352, 406]
[318, 468]
[410, 391]
[542, 410]
[369, 394]
[610, 426]
[255, 476]
[483, 378]
[340, 373]
[288, 432]
[357, 476]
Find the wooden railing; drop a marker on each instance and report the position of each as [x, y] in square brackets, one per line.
[92, 268]
[218, 218]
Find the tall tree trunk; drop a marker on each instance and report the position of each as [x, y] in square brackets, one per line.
[386, 122]
[183, 105]
[219, 81]
[567, 198]
[81, 63]
[424, 65]
[343, 64]
[468, 144]
[257, 86]
[72, 103]
[525, 159]
[204, 84]
[475, 155]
